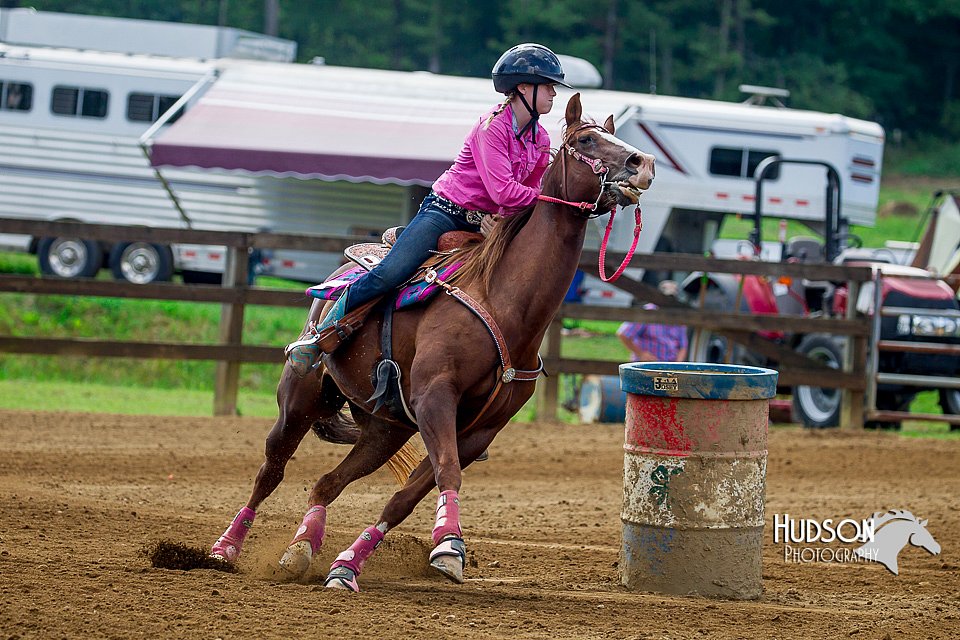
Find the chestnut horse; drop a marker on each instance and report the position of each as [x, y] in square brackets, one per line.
[450, 365]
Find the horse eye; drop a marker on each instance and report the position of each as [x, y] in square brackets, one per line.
[585, 139]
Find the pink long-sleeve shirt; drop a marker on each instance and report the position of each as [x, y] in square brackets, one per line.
[494, 171]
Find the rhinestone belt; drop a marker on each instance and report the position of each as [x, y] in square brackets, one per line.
[470, 215]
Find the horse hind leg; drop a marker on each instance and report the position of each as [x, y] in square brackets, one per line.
[303, 402]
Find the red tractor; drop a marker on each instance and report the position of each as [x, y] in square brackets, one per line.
[918, 327]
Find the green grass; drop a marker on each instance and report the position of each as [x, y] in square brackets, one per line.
[18, 263]
[87, 397]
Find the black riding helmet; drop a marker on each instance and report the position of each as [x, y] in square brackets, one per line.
[527, 63]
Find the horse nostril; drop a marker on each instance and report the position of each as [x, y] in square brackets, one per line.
[634, 161]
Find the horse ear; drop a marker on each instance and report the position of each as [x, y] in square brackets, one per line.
[574, 110]
[923, 523]
[608, 125]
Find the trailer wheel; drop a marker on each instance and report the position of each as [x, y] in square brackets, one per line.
[950, 403]
[141, 262]
[819, 407]
[69, 257]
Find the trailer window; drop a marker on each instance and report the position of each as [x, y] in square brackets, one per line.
[740, 163]
[78, 101]
[16, 96]
[148, 107]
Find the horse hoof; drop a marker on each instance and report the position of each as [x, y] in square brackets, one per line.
[225, 551]
[342, 578]
[221, 556]
[296, 559]
[449, 557]
[449, 566]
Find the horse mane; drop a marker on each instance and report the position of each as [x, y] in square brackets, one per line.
[480, 259]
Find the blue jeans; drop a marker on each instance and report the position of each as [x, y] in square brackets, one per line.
[410, 251]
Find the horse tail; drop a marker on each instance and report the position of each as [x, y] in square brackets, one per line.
[337, 429]
[403, 462]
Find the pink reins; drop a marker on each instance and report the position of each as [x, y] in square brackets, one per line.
[583, 206]
[633, 247]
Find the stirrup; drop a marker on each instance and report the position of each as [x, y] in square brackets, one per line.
[303, 355]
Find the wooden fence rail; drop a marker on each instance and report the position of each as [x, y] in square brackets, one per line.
[235, 294]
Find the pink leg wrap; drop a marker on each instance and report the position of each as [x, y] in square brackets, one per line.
[312, 528]
[229, 544]
[448, 516]
[355, 557]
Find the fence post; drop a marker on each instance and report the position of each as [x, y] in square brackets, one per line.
[873, 356]
[548, 389]
[227, 378]
[851, 402]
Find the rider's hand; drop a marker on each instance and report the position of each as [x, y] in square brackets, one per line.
[487, 224]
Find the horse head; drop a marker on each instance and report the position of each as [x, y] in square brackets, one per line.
[898, 527]
[611, 172]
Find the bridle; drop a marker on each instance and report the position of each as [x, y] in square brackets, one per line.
[595, 164]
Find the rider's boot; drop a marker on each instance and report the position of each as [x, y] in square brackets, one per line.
[304, 354]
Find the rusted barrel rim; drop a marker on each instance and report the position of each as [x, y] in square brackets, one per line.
[698, 380]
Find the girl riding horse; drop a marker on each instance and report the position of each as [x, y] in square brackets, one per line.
[461, 390]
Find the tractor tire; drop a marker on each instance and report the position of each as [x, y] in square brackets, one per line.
[819, 407]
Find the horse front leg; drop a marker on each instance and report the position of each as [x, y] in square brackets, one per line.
[449, 556]
[436, 409]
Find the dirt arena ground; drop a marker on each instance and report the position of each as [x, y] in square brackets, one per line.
[83, 496]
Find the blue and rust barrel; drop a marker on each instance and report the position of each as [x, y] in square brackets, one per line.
[694, 474]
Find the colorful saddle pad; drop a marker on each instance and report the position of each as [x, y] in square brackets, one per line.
[417, 291]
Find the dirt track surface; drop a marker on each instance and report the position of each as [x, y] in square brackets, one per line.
[82, 496]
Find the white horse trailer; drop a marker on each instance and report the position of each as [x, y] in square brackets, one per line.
[70, 123]
[707, 152]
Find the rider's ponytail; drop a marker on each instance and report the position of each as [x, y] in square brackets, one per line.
[500, 109]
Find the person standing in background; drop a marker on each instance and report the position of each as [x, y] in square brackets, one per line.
[655, 342]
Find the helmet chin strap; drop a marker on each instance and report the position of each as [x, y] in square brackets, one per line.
[534, 115]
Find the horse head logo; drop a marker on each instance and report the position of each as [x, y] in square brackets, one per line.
[892, 531]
